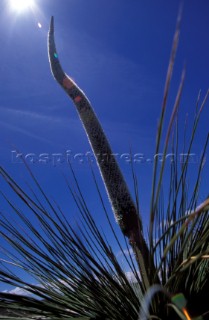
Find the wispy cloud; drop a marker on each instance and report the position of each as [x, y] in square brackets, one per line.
[111, 67]
[18, 291]
[39, 126]
[20, 113]
[25, 132]
[126, 252]
[131, 277]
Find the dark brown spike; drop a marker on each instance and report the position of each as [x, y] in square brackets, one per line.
[56, 68]
[123, 206]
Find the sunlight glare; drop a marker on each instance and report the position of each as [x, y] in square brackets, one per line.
[21, 5]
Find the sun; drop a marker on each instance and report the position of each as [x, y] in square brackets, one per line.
[21, 5]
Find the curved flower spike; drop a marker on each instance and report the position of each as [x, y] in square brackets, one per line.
[122, 204]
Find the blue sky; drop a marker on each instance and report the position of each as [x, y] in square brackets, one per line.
[117, 51]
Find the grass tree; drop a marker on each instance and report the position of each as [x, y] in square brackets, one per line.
[78, 275]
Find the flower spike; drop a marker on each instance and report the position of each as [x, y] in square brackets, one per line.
[122, 204]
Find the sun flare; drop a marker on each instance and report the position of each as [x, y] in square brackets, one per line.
[21, 5]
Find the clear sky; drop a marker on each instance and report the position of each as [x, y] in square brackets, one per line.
[117, 51]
